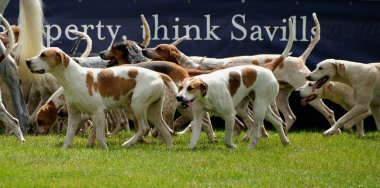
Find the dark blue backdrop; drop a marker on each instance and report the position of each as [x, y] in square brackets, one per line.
[349, 29]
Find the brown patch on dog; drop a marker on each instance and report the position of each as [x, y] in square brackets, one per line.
[90, 82]
[272, 65]
[46, 116]
[233, 82]
[174, 71]
[268, 60]
[133, 73]
[256, 62]
[249, 76]
[164, 52]
[111, 86]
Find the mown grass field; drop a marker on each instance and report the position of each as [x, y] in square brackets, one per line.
[310, 161]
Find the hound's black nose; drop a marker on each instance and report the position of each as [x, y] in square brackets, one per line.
[103, 56]
[179, 98]
[28, 63]
[308, 78]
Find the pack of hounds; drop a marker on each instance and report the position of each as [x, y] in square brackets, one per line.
[161, 89]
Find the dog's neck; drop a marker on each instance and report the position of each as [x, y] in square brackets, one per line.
[185, 61]
[133, 59]
[337, 93]
[66, 77]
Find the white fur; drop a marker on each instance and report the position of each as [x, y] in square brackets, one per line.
[365, 81]
[336, 92]
[218, 101]
[78, 100]
[291, 75]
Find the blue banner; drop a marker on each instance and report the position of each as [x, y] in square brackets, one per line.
[349, 29]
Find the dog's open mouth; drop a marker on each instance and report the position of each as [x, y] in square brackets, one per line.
[112, 62]
[38, 71]
[185, 104]
[319, 83]
[306, 100]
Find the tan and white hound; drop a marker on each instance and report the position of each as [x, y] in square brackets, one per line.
[91, 91]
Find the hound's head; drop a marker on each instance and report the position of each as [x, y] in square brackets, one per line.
[49, 60]
[124, 52]
[163, 52]
[307, 93]
[326, 71]
[189, 90]
[4, 35]
[46, 117]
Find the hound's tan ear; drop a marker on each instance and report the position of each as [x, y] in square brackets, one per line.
[340, 68]
[64, 59]
[174, 56]
[203, 88]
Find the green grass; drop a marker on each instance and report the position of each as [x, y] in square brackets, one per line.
[310, 161]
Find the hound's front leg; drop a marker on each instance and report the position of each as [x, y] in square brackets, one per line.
[350, 115]
[72, 125]
[196, 125]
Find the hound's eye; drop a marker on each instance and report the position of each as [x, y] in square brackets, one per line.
[120, 47]
[320, 68]
[190, 88]
[42, 55]
[310, 84]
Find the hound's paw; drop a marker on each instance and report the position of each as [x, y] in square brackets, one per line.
[330, 132]
[285, 142]
[245, 138]
[127, 144]
[105, 147]
[213, 139]
[66, 146]
[192, 146]
[232, 146]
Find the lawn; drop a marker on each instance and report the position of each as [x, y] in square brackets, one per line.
[311, 160]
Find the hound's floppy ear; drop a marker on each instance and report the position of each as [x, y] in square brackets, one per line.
[174, 56]
[340, 68]
[131, 49]
[203, 88]
[63, 58]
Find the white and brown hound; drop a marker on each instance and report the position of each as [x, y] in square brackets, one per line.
[91, 91]
[227, 92]
[291, 74]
